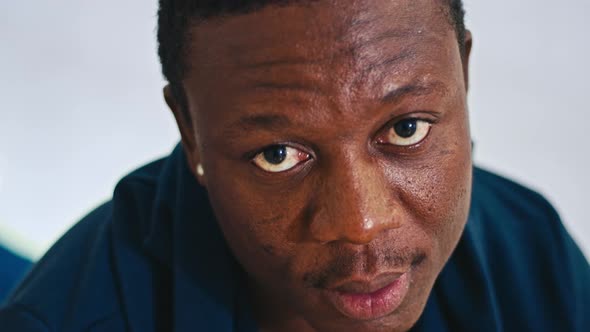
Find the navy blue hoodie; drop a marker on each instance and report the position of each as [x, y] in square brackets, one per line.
[154, 259]
[12, 269]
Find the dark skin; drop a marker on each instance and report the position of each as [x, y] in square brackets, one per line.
[325, 86]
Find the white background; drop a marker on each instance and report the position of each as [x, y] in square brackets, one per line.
[81, 105]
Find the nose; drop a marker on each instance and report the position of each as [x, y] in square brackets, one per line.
[354, 204]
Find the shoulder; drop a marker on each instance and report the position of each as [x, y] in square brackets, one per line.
[44, 298]
[13, 269]
[505, 208]
[536, 269]
[511, 215]
[491, 190]
[74, 286]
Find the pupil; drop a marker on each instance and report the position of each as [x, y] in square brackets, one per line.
[276, 155]
[406, 128]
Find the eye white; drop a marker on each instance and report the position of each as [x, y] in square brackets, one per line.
[420, 130]
[290, 157]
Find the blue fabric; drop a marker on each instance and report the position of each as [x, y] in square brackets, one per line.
[153, 259]
[12, 269]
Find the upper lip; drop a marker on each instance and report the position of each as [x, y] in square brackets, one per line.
[360, 285]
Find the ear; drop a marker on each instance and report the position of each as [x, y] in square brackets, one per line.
[468, 45]
[187, 130]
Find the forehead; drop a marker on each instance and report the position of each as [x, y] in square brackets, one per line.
[338, 49]
[321, 30]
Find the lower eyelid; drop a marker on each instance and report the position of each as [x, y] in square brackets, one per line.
[300, 157]
[384, 138]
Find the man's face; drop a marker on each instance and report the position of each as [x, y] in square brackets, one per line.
[335, 142]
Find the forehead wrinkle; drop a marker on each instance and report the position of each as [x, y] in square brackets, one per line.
[351, 37]
[381, 66]
[268, 86]
[349, 41]
[361, 43]
[307, 81]
[285, 61]
[365, 28]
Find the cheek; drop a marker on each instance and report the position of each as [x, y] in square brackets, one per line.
[256, 226]
[438, 194]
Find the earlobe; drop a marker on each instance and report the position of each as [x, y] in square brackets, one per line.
[200, 170]
[187, 131]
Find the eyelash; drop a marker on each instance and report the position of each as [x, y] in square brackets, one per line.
[399, 149]
[391, 124]
[251, 156]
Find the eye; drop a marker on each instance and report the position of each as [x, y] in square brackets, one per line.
[279, 158]
[407, 132]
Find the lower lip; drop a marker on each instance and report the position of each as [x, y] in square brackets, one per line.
[371, 305]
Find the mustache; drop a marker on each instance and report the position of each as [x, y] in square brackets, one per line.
[346, 262]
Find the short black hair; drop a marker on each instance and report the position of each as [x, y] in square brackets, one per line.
[175, 18]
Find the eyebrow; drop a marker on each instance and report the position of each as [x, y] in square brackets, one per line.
[267, 122]
[278, 122]
[416, 89]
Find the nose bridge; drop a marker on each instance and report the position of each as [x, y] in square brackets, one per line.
[354, 203]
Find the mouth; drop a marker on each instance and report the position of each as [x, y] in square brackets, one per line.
[368, 299]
